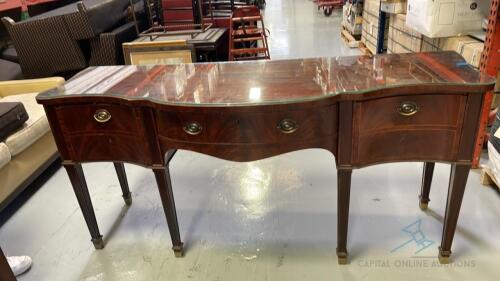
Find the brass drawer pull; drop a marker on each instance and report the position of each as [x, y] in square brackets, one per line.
[102, 116]
[193, 128]
[287, 126]
[408, 108]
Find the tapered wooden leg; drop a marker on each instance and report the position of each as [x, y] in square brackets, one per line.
[167, 198]
[79, 184]
[343, 198]
[122, 178]
[426, 185]
[6, 273]
[458, 181]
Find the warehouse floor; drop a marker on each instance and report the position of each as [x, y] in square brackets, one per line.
[273, 219]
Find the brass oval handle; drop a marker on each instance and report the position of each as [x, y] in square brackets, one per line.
[408, 108]
[193, 128]
[287, 126]
[102, 116]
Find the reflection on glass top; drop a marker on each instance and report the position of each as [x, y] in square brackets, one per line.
[266, 82]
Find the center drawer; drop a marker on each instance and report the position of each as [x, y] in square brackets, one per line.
[222, 127]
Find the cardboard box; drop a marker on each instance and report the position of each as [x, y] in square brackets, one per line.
[444, 18]
[371, 6]
[469, 48]
[393, 6]
[402, 39]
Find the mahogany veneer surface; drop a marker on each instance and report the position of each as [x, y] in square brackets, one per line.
[364, 110]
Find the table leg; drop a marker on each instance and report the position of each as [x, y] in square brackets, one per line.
[6, 273]
[122, 178]
[343, 198]
[162, 176]
[458, 181]
[79, 184]
[426, 185]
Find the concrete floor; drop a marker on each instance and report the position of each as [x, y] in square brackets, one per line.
[273, 219]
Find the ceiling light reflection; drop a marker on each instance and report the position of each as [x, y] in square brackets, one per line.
[254, 190]
[255, 94]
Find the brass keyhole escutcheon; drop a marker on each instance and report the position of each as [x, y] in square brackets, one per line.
[102, 116]
[408, 108]
[193, 128]
[287, 126]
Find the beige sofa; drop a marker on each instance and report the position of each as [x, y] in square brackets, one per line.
[26, 153]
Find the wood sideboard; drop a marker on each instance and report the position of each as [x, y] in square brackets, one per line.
[365, 110]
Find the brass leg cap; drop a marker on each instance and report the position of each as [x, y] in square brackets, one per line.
[98, 243]
[343, 260]
[127, 198]
[423, 206]
[178, 251]
[342, 257]
[443, 259]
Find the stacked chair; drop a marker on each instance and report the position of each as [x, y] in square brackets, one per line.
[178, 12]
[248, 37]
[68, 39]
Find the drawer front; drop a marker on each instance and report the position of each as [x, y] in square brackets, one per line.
[104, 132]
[406, 128]
[107, 147]
[247, 127]
[97, 118]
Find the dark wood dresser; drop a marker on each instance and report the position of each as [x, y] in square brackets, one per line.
[365, 110]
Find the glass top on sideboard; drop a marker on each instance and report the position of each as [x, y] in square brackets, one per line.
[270, 81]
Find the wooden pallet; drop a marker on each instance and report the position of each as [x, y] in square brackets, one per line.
[364, 49]
[487, 177]
[349, 39]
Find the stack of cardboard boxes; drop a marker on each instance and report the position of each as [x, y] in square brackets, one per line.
[470, 48]
[352, 18]
[369, 34]
[393, 6]
[404, 39]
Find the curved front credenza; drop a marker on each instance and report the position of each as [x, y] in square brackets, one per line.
[364, 110]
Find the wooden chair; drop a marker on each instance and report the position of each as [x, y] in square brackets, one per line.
[248, 39]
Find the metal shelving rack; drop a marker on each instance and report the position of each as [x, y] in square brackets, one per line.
[490, 63]
[382, 18]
